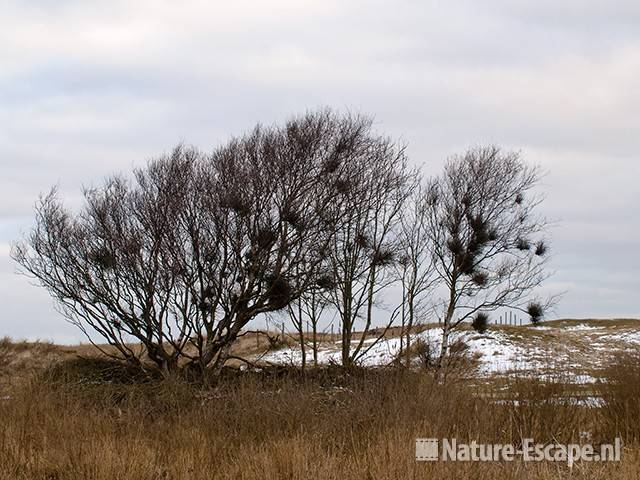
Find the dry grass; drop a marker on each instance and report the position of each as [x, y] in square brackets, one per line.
[91, 418]
[595, 322]
[22, 359]
[621, 396]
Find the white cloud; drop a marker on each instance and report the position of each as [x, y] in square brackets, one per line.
[89, 88]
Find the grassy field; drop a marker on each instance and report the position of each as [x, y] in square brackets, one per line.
[67, 413]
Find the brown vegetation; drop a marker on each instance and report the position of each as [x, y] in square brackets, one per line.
[85, 418]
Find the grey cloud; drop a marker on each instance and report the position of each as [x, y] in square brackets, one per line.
[90, 88]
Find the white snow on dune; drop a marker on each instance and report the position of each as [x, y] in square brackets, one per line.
[627, 336]
[495, 351]
[580, 327]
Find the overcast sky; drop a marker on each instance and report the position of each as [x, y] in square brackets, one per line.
[88, 88]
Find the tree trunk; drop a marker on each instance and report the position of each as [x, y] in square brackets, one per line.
[446, 331]
[216, 350]
[446, 328]
[169, 366]
[346, 329]
[346, 346]
[314, 334]
[408, 333]
[303, 347]
[303, 350]
[402, 351]
[221, 359]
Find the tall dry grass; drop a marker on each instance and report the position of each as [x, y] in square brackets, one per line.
[621, 397]
[93, 419]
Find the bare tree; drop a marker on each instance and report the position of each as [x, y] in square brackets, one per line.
[278, 195]
[365, 248]
[488, 243]
[296, 315]
[112, 267]
[314, 304]
[183, 257]
[415, 266]
[305, 313]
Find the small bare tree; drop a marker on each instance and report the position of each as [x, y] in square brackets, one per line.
[488, 243]
[314, 304]
[415, 266]
[365, 249]
[305, 313]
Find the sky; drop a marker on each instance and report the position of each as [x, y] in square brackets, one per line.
[90, 88]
